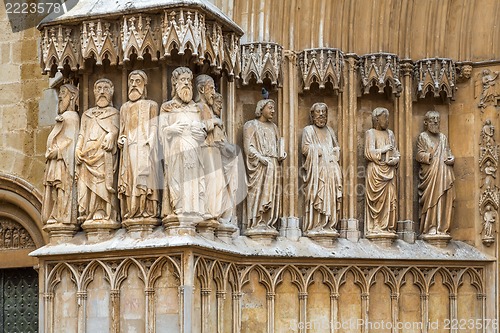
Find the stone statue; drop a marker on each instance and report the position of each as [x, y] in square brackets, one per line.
[322, 176]
[489, 219]
[96, 158]
[436, 188]
[58, 200]
[488, 87]
[263, 153]
[138, 141]
[383, 159]
[182, 133]
[488, 133]
[232, 162]
[217, 196]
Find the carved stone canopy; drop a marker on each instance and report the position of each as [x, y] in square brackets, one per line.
[261, 61]
[322, 65]
[380, 70]
[436, 75]
[115, 32]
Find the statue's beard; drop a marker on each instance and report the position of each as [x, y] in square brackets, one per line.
[134, 94]
[63, 105]
[433, 128]
[103, 101]
[320, 121]
[185, 94]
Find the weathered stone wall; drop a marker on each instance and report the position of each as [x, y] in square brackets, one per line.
[22, 141]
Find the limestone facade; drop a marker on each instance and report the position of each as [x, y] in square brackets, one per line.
[354, 55]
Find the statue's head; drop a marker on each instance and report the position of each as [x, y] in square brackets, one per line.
[205, 88]
[182, 84]
[319, 114]
[217, 103]
[68, 98]
[103, 92]
[380, 118]
[466, 71]
[137, 82]
[431, 121]
[265, 108]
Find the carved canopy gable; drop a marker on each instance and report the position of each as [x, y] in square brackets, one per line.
[380, 70]
[436, 75]
[154, 32]
[261, 61]
[322, 65]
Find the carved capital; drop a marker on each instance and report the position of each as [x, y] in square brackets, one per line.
[437, 76]
[261, 61]
[380, 70]
[322, 66]
[406, 67]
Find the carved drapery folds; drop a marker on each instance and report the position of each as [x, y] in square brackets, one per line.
[489, 199]
[322, 65]
[380, 70]
[261, 61]
[435, 75]
[154, 35]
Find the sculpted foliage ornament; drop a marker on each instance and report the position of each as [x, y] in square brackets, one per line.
[322, 65]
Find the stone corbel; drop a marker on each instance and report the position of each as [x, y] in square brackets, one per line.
[261, 61]
[322, 65]
[380, 70]
[464, 71]
[436, 75]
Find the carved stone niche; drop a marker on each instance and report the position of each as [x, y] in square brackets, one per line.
[153, 33]
[322, 66]
[435, 75]
[261, 61]
[380, 70]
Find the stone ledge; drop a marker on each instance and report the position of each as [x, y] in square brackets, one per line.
[281, 248]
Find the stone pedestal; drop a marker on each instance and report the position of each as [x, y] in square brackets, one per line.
[290, 228]
[382, 238]
[181, 225]
[349, 229]
[225, 232]
[99, 230]
[207, 228]
[140, 227]
[406, 231]
[323, 237]
[264, 235]
[60, 232]
[438, 240]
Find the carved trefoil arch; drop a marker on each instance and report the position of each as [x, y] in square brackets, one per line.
[435, 75]
[322, 66]
[261, 61]
[380, 70]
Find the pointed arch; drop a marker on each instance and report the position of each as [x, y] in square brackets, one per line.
[123, 270]
[264, 276]
[88, 273]
[297, 277]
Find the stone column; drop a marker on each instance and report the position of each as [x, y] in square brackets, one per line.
[187, 291]
[150, 310]
[81, 297]
[221, 296]
[303, 311]
[288, 112]
[205, 310]
[236, 312]
[403, 123]
[115, 310]
[365, 306]
[270, 311]
[348, 136]
[424, 308]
